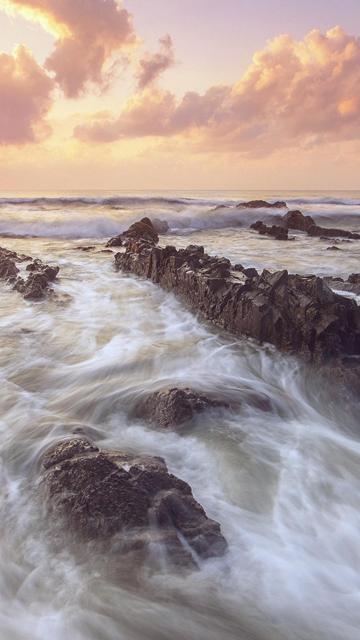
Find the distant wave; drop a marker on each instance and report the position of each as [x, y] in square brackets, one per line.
[350, 202]
[125, 201]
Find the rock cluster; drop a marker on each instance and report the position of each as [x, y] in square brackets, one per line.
[276, 231]
[296, 220]
[299, 315]
[33, 287]
[132, 500]
[173, 407]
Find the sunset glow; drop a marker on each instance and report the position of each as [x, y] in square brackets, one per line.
[85, 79]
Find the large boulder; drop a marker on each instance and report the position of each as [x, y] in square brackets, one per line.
[105, 496]
[297, 220]
[327, 232]
[173, 407]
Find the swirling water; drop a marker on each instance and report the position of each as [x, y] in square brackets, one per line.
[284, 484]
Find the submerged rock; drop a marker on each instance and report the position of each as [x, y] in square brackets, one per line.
[110, 495]
[173, 407]
[297, 314]
[262, 204]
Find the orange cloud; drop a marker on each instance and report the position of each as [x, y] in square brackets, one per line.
[294, 93]
[152, 65]
[89, 33]
[25, 92]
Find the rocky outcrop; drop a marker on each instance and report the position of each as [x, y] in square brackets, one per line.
[326, 232]
[296, 220]
[277, 232]
[262, 204]
[102, 495]
[299, 315]
[36, 285]
[142, 229]
[173, 407]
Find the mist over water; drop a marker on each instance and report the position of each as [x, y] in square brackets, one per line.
[284, 484]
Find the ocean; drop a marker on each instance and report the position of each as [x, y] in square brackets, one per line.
[284, 484]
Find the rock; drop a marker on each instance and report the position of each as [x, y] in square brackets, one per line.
[85, 248]
[325, 232]
[160, 226]
[143, 229]
[238, 267]
[173, 407]
[37, 283]
[277, 232]
[333, 248]
[352, 284]
[97, 494]
[250, 272]
[354, 278]
[37, 266]
[297, 314]
[296, 220]
[261, 204]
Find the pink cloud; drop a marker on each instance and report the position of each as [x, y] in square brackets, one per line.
[294, 92]
[152, 65]
[89, 33]
[25, 92]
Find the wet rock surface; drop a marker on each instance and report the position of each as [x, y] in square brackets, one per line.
[173, 407]
[352, 284]
[37, 284]
[131, 499]
[297, 314]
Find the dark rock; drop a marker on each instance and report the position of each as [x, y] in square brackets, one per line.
[97, 494]
[325, 232]
[37, 266]
[143, 229]
[37, 283]
[299, 315]
[173, 407]
[261, 204]
[296, 220]
[238, 267]
[85, 248]
[333, 248]
[277, 232]
[160, 226]
[250, 272]
[354, 278]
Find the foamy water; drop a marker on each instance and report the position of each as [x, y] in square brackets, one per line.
[284, 484]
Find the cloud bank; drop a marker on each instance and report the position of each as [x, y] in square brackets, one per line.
[25, 91]
[293, 93]
[88, 32]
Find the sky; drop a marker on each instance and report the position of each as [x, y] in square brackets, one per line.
[179, 94]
